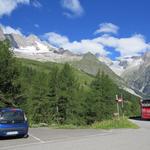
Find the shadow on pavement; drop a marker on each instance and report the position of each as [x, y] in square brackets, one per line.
[138, 118]
[12, 138]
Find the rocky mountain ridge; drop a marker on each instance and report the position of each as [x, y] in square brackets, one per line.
[138, 77]
[31, 47]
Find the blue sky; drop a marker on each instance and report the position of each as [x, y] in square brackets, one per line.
[115, 28]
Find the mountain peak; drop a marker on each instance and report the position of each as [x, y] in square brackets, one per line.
[19, 39]
[146, 56]
[89, 56]
[33, 38]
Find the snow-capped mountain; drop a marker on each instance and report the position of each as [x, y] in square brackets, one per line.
[32, 47]
[30, 44]
[121, 65]
[135, 70]
[138, 76]
[125, 64]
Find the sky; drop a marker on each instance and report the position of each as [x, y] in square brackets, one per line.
[113, 28]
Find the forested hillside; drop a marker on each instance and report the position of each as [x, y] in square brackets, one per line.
[58, 93]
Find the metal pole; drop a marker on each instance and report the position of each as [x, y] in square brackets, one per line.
[122, 106]
[118, 109]
[117, 106]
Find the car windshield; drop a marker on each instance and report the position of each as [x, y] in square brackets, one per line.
[12, 117]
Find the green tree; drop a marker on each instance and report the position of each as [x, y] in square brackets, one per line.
[38, 104]
[53, 93]
[67, 95]
[100, 102]
[9, 86]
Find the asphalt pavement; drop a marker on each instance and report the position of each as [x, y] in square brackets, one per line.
[82, 139]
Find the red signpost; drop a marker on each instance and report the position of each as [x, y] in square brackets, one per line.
[119, 100]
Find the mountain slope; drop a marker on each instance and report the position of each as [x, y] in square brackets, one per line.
[91, 65]
[83, 77]
[33, 48]
[139, 76]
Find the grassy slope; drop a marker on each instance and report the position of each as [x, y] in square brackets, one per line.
[121, 123]
[115, 124]
[85, 69]
[84, 78]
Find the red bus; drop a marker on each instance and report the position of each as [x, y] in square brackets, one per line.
[145, 109]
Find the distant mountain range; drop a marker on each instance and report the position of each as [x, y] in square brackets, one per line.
[134, 70]
[138, 76]
[32, 47]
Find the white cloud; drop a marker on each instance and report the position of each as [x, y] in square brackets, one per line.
[126, 46]
[36, 4]
[107, 28]
[7, 6]
[56, 39]
[85, 46]
[9, 30]
[82, 46]
[132, 45]
[129, 46]
[74, 8]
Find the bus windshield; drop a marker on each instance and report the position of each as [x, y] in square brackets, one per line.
[146, 103]
[12, 117]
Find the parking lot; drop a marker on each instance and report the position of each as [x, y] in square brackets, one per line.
[46, 135]
[82, 139]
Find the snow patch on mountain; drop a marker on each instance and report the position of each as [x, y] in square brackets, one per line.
[124, 64]
[117, 68]
[45, 56]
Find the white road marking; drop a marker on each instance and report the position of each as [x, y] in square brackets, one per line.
[62, 140]
[36, 138]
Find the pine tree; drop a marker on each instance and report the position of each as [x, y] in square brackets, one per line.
[67, 93]
[93, 101]
[100, 102]
[53, 93]
[9, 86]
[109, 90]
[38, 101]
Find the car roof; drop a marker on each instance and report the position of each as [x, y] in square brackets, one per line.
[10, 109]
